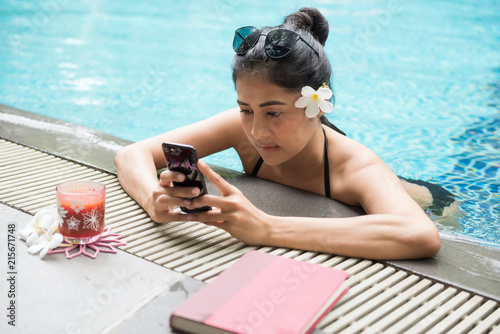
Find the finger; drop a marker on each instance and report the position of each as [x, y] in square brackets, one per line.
[211, 201]
[166, 202]
[214, 216]
[182, 192]
[167, 177]
[222, 185]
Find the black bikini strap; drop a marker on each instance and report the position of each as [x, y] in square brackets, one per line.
[327, 168]
[257, 167]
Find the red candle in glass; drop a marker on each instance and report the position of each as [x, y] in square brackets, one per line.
[81, 209]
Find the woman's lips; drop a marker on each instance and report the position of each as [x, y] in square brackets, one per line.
[267, 148]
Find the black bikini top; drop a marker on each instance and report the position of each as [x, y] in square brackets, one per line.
[326, 166]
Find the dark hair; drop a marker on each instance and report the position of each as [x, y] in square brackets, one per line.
[301, 67]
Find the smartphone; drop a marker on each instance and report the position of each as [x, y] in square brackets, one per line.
[184, 159]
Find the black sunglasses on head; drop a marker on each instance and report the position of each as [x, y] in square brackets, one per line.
[279, 42]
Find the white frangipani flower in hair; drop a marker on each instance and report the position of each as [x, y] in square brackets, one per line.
[314, 101]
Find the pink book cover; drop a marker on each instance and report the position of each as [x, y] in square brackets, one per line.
[264, 293]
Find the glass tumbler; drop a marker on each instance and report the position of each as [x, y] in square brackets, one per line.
[81, 208]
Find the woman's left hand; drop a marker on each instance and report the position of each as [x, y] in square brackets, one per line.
[231, 211]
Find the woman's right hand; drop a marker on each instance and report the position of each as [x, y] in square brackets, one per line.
[166, 197]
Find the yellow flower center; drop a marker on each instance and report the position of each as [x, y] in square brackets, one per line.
[38, 228]
[315, 97]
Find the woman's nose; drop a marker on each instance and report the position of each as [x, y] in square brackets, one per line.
[260, 128]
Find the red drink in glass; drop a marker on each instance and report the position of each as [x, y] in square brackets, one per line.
[81, 209]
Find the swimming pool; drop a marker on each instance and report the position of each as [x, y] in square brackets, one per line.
[418, 83]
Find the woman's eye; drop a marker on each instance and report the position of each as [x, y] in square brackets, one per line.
[273, 114]
[246, 111]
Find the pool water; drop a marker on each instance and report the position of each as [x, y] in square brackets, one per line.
[417, 82]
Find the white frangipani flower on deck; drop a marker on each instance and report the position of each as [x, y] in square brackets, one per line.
[314, 100]
[41, 232]
[38, 225]
[49, 240]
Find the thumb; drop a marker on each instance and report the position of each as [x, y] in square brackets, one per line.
[222, 185]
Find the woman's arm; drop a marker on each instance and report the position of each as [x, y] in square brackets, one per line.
[374, 236]
[395, 227]
[137, 164]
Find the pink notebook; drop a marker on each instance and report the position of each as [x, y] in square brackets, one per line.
[262, 293]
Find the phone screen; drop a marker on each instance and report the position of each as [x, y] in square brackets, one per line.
[184, 159]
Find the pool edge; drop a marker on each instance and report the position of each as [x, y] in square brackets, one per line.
[459, 263]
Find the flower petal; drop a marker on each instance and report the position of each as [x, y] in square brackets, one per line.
[57, 238]
[302, 102]
[35, 249]
[43, 240]
[312, 109]
[325, 93]
[31, 224]
[32, 238]
[325, 106]
[25, 233]
[40, 214]
[44, 252]
[45, 222]
[53, 212]
[307, 91]
[37, 218]
[53, 229]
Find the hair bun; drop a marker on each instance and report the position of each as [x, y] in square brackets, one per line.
[312, 20]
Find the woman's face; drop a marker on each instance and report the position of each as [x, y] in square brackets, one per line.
[272, 123]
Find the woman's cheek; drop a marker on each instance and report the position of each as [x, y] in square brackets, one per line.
[246, 123]
[286, 122]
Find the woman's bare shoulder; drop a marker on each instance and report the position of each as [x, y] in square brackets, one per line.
[348, 155]
[350, 162]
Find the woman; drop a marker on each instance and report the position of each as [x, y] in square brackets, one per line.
[282, 75]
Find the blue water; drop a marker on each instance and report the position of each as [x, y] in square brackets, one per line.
[416, 81]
